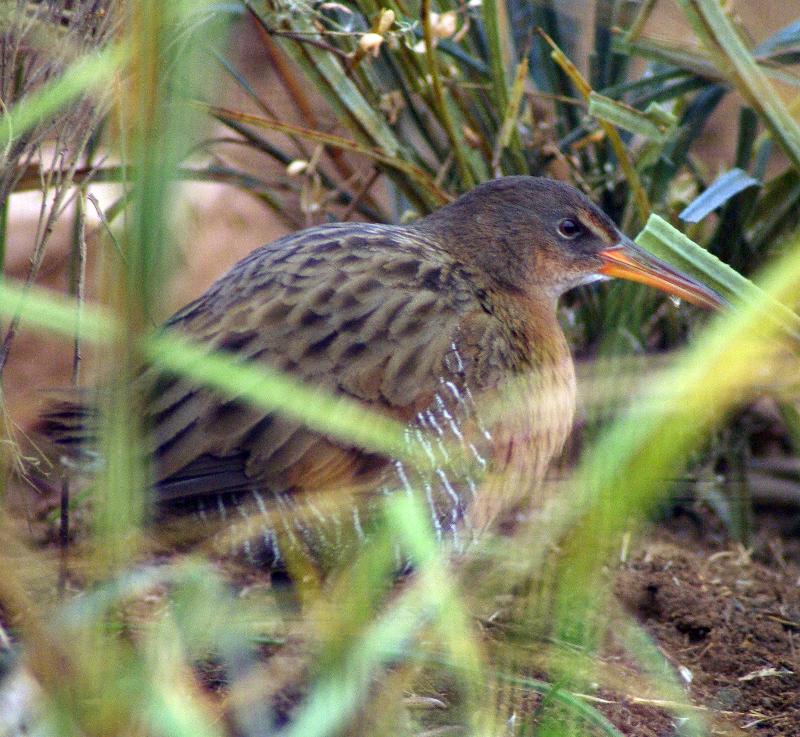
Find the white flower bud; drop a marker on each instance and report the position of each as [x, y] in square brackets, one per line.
[444, 25]
[386, 20]
[298, 166]
[370, 43]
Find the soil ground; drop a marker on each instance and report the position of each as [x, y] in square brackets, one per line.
[727, 619]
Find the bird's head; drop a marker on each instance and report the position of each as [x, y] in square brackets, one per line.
[538, 237]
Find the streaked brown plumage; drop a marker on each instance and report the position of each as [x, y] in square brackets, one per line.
[390, 316]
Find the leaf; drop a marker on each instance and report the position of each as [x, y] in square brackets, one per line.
[786, 36]
[511, 115]
[725, 187]
[726, 47]
[668, 243]
[629, 118]
[330, 139]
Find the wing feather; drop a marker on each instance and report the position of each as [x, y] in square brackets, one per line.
[339, 307]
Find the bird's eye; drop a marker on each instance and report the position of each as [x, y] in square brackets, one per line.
[569, 228]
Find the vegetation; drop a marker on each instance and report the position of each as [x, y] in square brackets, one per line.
[429, 100]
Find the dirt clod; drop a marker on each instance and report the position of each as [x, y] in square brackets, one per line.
[731, 621]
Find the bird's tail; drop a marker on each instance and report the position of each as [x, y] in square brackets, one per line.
[69, 425]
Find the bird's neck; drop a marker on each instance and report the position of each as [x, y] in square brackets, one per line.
[551, 371]
[536, 412]
[533, 322]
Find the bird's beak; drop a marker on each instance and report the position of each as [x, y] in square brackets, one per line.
[626, 260]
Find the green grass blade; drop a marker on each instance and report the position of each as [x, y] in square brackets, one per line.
[729, 51]
[348, 96]
[497, 56]
[672, 54]
[90, 73]
[443, 109]
[668, 243]
[640, 21]
[640, 197]
[653, 439]
[508, 128]
[628, 118]
[574, 702]
[277, 391]
[272, 390]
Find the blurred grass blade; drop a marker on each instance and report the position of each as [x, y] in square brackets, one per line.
[786, 36]
[428, 599]
[55, 313]
[412, 527]
[511, 116]
[273, 390]
[499, 56]
[724, 187]
[655, 436]
[339, 692]
[573, 702]
[412, 524]
[659, 671]
[725, 44]
[628, 118]
[90, 73]
[155, 127]
[668, 243]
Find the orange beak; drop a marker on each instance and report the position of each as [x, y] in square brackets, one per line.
[626, 260]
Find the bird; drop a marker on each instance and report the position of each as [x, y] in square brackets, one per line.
[428, 323]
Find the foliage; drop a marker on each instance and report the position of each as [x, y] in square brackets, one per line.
[430, 100]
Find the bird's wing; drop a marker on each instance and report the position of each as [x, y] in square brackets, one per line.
[370, 312]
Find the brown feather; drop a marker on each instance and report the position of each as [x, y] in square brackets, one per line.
[450, 320]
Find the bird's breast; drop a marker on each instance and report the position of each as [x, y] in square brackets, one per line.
[529, 415]
[529, 425]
